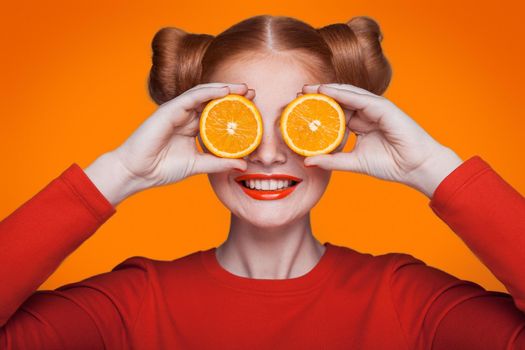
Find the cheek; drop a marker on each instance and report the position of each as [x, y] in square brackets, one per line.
[318, 179]
[219, 183]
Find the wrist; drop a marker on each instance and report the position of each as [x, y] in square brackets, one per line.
[112, 179]
[434, 170]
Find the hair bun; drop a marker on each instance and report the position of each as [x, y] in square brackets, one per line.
[364, 26]
[357, 54]
[176, 62]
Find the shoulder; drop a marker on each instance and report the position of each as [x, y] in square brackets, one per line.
[405, 277]
[140, 265]
[129, 282]
[185, 268]
[401, 272]
[131, 273]
[368, 262]
[392, 268]
[133, 277]
[135, 272]
[390, 261]
[353, 267]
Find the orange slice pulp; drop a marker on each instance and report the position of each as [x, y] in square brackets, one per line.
[313, 124]
[231, 126]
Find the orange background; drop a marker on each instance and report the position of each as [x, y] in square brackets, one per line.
[74, 86]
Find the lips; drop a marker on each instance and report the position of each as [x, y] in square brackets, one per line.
[268, 194]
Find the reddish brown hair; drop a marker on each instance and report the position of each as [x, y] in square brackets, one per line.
[347, 53]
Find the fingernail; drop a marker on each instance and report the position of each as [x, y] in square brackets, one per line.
[240, 170]
[310, 166]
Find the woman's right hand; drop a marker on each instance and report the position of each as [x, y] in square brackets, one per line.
[163, 149]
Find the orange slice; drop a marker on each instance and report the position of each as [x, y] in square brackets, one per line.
[231, 126]
[313, 124]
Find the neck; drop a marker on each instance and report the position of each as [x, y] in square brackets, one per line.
[270, 252]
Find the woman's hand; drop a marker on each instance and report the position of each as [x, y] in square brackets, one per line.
[390, 145]
[163, 149]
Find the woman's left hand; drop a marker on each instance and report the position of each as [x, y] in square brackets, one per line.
[390, 145]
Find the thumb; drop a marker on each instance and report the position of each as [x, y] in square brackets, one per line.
[207, 163]
[346, 161]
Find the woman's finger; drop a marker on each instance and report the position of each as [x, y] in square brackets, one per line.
[349, 87]
[346, 161]
[372, 108]
[375, 109]
[347, 98]
[250, 94]
[191, 99]
[182, 109]
[208, 163]
[191, 128]
[361, 126]
[208, 85]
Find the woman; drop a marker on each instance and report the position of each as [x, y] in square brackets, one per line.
[271, 284]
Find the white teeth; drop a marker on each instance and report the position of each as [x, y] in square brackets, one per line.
[265, 185]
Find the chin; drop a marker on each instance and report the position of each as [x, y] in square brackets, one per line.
[267, 218]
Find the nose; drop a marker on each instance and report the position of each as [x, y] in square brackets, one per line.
[272, 149]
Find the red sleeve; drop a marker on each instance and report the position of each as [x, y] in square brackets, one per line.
[95, 313]
[488, 214]
[439, 311]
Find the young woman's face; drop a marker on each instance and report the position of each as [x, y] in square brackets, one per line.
[276, 82]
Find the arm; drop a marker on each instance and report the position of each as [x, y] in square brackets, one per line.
[39, 235]
[42, 232]
[481, 208]
[439, 311]
[488, 214]
[34, 240]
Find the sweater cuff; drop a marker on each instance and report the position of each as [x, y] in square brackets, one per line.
[457, 180]
[81, 185]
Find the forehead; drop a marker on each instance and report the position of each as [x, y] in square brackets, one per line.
[258, 67]
[275, 79]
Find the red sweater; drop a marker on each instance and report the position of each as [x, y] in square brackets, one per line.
[349, 300]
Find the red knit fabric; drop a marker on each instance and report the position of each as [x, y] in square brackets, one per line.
[349, 300]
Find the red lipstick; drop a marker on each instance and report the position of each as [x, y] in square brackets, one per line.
[268, 194]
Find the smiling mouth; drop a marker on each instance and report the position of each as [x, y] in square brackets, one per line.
[267, 187]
